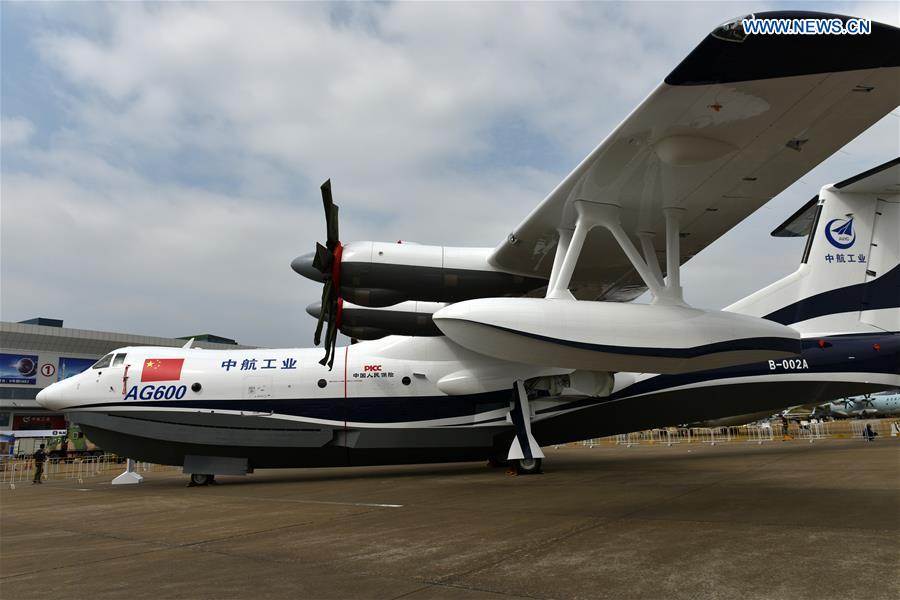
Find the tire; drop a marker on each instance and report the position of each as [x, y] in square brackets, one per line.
[528, 466]
[200, 479]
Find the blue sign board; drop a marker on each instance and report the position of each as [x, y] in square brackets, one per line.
[18, 368]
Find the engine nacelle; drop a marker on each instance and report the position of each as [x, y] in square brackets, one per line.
[378, 274]
[365, 323]
[610, 336]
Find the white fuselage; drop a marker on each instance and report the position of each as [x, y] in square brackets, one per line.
[416, 400]
[394, 367]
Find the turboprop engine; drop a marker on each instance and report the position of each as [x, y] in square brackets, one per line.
[611, 336]
[379, 274]
[365, 323]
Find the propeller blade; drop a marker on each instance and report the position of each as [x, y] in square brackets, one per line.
[330, 342]
[323, 259]
[323, 313]
[326, 197]
[332, 224]
[331, 215]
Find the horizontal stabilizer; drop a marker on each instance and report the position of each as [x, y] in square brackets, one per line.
[879, 180]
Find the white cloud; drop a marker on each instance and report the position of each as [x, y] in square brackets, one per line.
[419, 89]
[15, 130]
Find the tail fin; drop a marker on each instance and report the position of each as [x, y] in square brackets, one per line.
[849, 279]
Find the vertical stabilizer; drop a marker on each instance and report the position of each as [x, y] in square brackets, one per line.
[849, 279]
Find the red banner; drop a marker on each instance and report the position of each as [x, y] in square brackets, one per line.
[38, 422]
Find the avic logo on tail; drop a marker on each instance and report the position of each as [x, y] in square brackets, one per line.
[840, 233]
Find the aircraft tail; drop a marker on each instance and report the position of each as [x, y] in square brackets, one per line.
[849, 278]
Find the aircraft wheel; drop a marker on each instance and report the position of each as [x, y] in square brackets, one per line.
[201, 479]
[528, 466]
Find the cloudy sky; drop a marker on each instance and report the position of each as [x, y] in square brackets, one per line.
[161, 162]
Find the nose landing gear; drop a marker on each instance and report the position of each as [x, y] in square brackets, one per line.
[198, 479]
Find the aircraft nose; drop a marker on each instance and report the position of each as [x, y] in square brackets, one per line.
[303, 265]
[50, 398]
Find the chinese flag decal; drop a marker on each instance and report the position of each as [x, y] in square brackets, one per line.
[162, 369]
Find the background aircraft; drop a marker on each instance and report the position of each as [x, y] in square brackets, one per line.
[884, 404]
[541, 343]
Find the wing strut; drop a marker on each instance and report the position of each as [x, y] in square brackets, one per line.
[596, 214]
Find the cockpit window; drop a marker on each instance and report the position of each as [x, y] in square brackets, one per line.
[103, 362]
[119, 359]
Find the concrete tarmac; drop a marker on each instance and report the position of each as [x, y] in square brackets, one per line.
[778, 520]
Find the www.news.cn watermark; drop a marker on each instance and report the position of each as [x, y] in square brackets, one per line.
[834, 26]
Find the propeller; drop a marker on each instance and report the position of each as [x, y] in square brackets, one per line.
[327, 261]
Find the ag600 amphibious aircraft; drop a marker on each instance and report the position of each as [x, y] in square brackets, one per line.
[536, 342]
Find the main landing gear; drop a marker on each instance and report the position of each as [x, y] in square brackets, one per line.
[201, 479]
[524, 466]
[527, 466]
[525, 455]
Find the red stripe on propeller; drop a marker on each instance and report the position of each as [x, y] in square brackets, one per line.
[336, 281]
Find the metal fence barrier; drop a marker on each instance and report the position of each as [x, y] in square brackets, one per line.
[759, 433]
[813, 430]
[859, 428]
[21, 470]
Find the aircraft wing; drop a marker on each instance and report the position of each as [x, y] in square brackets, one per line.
[738, 121]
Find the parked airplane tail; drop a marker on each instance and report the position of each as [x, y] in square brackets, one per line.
[849, 278]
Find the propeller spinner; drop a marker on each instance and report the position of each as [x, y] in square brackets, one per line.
[327, 261]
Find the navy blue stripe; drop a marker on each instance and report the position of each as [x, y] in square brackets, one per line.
[769, 56]
[869, 173]
[789, 227]
[363, 410]
[882, 292]
[833, 358]
[775, 344]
